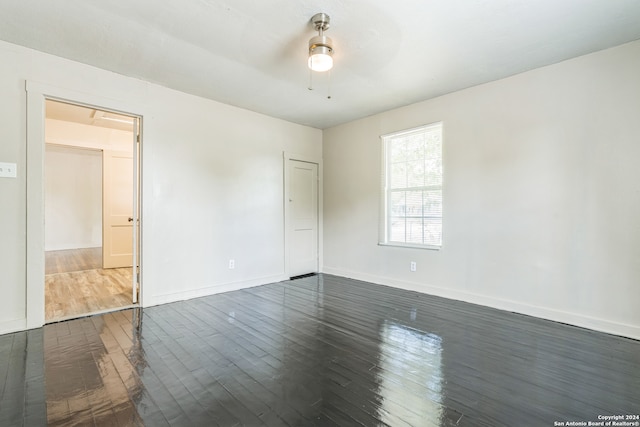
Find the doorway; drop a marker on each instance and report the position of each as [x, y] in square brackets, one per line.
[303, 221]
[92, 189]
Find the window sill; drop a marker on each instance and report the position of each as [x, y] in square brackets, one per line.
[411, 246]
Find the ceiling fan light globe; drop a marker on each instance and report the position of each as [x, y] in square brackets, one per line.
[320, 62]
[320, 53]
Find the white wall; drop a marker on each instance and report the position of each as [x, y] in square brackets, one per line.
[212, 182]
[73, 198]
[541, 194]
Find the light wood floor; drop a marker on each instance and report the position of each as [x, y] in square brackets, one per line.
[75, 285]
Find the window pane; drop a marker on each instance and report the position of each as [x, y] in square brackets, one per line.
[433, 176]
[415, 173]
[415, 145]
[399, 175]
[398, 151]
[432, 203]
[414, 231]
[398, 204]
[433, 159]
[397, 229]
[414, 203]
[433, 232]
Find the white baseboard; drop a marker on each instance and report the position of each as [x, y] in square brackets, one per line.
[579, 320]
[575, 319]
[69, 246]
[149, 301]
[13, 326]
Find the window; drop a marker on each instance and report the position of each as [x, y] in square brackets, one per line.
[413, 187]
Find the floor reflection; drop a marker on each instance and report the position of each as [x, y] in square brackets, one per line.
[92, 370]
[410, 368]
[22, 399]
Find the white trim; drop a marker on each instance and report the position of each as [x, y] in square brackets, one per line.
[37, 94]
[421, 128]
[135, 150]
[574, 319]
[35, 206]
[411, 246]
[287, 238]
[68, 246]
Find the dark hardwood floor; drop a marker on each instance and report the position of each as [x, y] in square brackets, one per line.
[322, 351]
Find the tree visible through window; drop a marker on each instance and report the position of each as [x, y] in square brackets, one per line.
[413, 187]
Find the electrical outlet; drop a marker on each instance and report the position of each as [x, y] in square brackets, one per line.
[8, 170]
[412, 266]
[232, 264]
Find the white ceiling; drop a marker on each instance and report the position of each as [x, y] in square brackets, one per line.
[252, 53]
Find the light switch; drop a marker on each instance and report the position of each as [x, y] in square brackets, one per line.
[8, 170]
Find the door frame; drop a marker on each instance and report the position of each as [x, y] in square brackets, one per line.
[37, 94]
[287, 156]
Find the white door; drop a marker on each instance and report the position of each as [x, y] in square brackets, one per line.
[117, 208]
[303, 214]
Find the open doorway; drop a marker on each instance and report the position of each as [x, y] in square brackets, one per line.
[91, 212]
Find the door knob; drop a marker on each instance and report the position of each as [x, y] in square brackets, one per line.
[130, 219]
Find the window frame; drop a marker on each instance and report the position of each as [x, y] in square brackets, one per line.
[386, 191]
